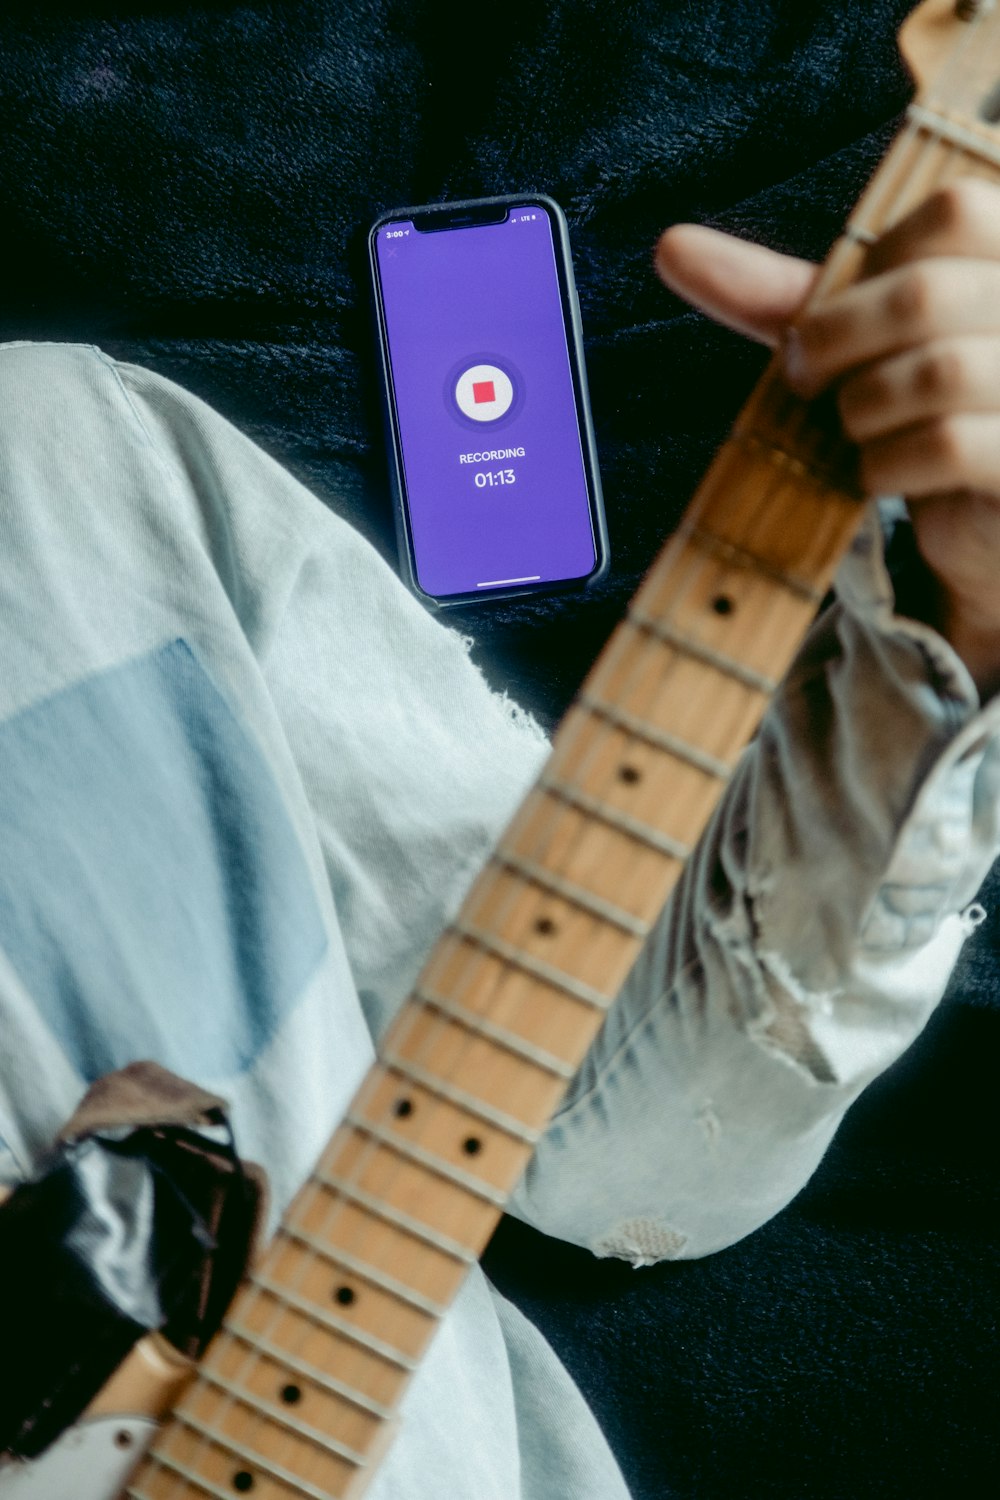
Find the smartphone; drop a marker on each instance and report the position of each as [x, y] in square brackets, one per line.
[493, 465]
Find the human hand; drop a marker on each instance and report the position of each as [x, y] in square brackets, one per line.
[913, 352]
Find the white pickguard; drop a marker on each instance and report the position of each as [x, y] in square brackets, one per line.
[91, 1461]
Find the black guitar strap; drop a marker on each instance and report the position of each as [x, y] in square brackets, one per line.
[142, 1218]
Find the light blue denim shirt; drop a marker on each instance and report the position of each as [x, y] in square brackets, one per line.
[245, 779]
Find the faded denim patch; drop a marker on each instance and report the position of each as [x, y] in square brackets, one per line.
[154, 898]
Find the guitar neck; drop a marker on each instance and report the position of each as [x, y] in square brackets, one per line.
[296, 1394]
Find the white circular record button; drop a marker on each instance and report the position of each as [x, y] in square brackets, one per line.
[484, 393]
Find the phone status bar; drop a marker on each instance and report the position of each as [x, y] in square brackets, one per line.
[403, 228]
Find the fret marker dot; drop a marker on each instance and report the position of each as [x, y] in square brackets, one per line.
[243, 1481]
[402, 1108]
[723, 605]
[545, 926]
[345, 1295]
[291, 1395]
[629, 774]
[472, 1145]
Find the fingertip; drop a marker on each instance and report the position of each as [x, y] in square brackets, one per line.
[663, 252]
[678, 248]
[745, 286]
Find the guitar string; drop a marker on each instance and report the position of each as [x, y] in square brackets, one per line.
[471, 967]
[429, 1114]
[356, 1247]
[360, 1383]
[931, 143]
[702, 563]
[479, 960]
[598, 740]
[472, 964]
[598, 737]
[252, 1358]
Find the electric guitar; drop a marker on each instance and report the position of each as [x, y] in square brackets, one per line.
[295, 1398]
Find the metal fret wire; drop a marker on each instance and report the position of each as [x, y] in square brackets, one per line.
[905, 136]
[689, 582]
[252, 1358]
[475, 962]
[910, 131]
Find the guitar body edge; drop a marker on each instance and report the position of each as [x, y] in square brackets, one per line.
[93, 1459]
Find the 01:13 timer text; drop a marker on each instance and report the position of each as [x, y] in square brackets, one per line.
[499, 476]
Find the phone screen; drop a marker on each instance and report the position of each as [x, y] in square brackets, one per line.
[491, 448]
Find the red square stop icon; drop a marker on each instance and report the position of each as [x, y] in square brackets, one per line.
[482, 390]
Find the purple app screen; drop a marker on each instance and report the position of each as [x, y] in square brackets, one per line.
[491, 445]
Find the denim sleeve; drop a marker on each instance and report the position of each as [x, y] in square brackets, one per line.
[805, 947]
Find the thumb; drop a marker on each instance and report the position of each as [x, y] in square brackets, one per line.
[745, 286]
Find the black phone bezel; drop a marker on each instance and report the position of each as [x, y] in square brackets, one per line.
[463, 213]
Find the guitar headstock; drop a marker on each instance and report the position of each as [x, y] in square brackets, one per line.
[939, 31]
